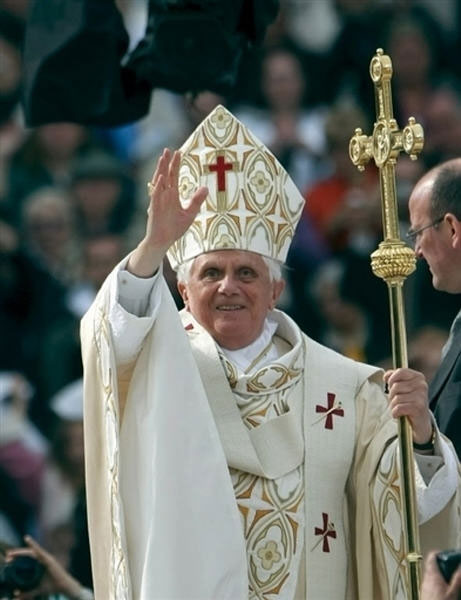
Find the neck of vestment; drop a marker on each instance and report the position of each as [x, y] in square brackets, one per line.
[273, 381]
[260, 352]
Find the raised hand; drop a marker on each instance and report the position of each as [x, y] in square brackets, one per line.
[167, 219]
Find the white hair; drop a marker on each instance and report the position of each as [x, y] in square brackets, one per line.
[274, 267]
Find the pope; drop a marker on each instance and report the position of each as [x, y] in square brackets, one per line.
[228, 455]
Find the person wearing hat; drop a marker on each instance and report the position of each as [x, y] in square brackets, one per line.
[103, 194]
[228, 455]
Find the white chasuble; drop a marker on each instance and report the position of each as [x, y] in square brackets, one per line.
[269, 491]
[166, 519]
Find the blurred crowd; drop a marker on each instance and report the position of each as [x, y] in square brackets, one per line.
[73, 202]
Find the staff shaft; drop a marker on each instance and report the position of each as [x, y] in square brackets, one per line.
[393, 261]
[400, 359]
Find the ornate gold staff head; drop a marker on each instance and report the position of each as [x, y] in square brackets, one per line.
[393, 261]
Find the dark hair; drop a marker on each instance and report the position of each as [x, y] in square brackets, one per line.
[446, 193]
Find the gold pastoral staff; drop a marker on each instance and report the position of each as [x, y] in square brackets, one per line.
[393, 261]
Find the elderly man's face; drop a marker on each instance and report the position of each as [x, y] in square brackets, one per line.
[230, 293]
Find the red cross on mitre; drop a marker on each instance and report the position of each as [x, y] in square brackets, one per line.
[328, 530]
[333, 408]
[220, 167]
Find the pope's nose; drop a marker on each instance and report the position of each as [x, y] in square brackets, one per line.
[228, 285]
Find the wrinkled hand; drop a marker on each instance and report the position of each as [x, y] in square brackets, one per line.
[408, 398]
[434, 586]
[167, 219]
[56, 580]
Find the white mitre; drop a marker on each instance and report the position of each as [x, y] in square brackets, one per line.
[252, 203]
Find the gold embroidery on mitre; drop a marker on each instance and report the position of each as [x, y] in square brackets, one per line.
[252, 203]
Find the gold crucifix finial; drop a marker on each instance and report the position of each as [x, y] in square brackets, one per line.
[387, 140]
[393, 261]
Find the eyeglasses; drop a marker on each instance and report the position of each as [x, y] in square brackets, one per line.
[413, 235]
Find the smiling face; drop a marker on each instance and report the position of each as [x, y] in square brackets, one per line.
[230, 293]
[440, 245]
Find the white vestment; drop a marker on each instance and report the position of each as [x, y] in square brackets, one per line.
[164, 519]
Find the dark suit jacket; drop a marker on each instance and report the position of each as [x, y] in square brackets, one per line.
[445, 394]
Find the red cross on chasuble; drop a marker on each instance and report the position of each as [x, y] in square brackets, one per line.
[333, 408]
[327, 531]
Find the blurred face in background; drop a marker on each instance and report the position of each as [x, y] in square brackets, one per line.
[96, 198]
[339, 314]
[202, 104]
[60, 141]
[101, 256]
[283, 81]
[442, 130]
[48, 221]
[411, 55]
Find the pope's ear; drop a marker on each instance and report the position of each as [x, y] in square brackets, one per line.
[278, 288]
[182, 289]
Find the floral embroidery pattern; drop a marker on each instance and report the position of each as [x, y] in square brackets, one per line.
[221, 118]
[269, 555]
[272, 513]
[260, 181]
[186, 186]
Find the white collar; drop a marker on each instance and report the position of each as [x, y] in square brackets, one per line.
[243, 357]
